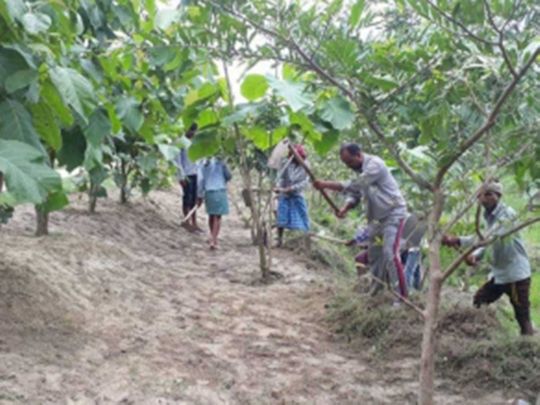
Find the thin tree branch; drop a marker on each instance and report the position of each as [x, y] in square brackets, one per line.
[490, 16]
[423, 183]
[320, 71]
[515, 6]
[477, 217]
[459, 24]
[500, 42]
[407, 83]
[489, 122]
[476, 102]
[455, 264]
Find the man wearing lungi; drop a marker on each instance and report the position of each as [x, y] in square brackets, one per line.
[292, 212]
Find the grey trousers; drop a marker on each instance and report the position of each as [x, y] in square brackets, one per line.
[383, 254]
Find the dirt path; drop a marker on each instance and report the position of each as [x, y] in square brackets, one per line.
[126, 307]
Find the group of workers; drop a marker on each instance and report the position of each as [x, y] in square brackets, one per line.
[388, 260]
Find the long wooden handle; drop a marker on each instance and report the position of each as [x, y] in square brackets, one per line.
[190, 214]
[328, 238]
[312, 177]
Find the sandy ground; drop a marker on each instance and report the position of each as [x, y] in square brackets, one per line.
[125, 306]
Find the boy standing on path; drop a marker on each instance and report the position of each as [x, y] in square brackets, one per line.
[213, 176]
[187, 176]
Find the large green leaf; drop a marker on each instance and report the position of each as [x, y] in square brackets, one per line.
[254, 87]
[208, 90]
[204, 144]
[128, 111]
[264, 139]
[75, 89]
[72, 153]
[306, 126]
[20, 80]
[35, 23]
[11, 62]
[98, 128]
[259, 136]
[46, 125]
[293, 93]
[289, 72]
[16, 9]
[343, 50]
[53, 100]
[206, 118]
[92, 69]
[337, 111]
[93, 157]
[161, 55]
[169, 152]
[25, 52]
[329, 139]
[147, 130]
[28, 177]
[356, 12]
[242, 112]
[55, 201]
[16, 124]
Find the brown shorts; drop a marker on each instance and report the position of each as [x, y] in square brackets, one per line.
[518, 292]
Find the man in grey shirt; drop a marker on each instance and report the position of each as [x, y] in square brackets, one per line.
[385, 211]
[509, 263]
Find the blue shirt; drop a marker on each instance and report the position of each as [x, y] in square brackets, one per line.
[213, 174]
[508, 259]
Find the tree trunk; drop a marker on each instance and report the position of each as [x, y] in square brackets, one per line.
[92, 202]
[42, 220]
[429, 337]
[258, 227]
[268, 229]
[1, 182]
[123, 184]
[261, 229]
[92, 197]
[42, 215]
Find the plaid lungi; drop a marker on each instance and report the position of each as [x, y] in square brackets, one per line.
[292, 213]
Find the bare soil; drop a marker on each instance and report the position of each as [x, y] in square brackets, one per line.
[125, 306]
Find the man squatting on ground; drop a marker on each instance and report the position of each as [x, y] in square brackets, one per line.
[385, 212]
[509, 264]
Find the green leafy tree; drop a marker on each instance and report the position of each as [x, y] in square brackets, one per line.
[433, 87]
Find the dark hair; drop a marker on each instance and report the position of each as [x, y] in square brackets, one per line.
[193, 127]
[352, 149]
